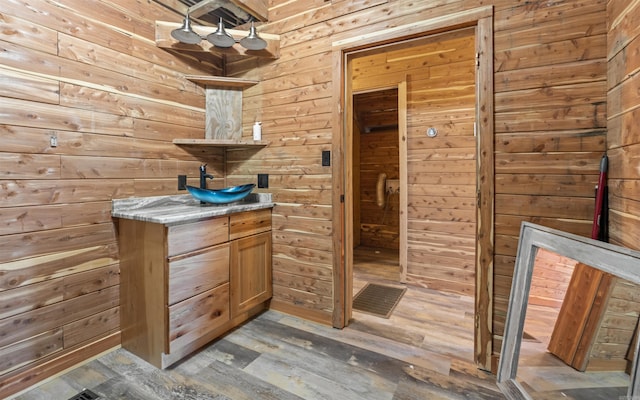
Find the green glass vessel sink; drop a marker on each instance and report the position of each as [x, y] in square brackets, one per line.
[221, 196]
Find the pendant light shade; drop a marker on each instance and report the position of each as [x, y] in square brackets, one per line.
[253, 41]
[220, 38]
[185, 34]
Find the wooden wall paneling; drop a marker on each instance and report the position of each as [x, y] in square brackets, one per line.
[551, 276]
[553, 53]
[550, 76]
[28, 87]
[623, 140]
[623, 64]
[87, 329]
[125, 73]
[588, 22]
[555, 141]
[51, 365]
[39, 320]
[80, 97]
[571, 51]
[23, 272]
[615, 333]
[289, 265]
[61, 18]
[34, 192]
[623, 228]
[28, 34]
[38, 115]
[378, 153]
[552, 97]
[142, 13]
[622, 29]
[59, 240]
[320, 287]
[622, 129]
[30, 350]
[111, 99]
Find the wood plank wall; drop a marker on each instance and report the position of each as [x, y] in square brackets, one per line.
[89, 74]
[550, 114]
[623, 148]
[550, 279]
[376, 152]
[623, 109]
[612, 342]
[550, 117]
[379, 226]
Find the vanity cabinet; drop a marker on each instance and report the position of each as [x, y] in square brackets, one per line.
[186, 284]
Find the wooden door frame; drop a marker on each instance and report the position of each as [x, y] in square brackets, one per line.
[482, 19]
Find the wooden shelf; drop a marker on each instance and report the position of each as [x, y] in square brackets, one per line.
[221, 81]
[219, 143]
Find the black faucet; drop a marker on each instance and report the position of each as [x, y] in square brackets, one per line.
[204, 176]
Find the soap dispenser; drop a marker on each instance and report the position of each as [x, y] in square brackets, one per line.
[257, 131]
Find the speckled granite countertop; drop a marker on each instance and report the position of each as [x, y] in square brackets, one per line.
[178, 209]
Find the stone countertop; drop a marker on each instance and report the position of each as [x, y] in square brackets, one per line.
[179, 209]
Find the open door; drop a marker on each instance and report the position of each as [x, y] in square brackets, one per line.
[351, 216]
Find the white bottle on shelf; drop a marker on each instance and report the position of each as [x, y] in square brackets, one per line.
[257, 131]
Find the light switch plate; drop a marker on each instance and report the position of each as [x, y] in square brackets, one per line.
[263, 181]
[326, 158]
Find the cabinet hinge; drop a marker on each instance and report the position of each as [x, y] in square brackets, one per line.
[477, 59]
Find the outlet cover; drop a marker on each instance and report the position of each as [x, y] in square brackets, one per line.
[326, 158]
[263, 181]
[182, 182]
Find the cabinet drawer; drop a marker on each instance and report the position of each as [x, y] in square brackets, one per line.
[249, 223]
[197, 235]
[193, 318]
[197, 272]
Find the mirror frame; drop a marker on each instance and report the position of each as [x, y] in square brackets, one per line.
[615, 260]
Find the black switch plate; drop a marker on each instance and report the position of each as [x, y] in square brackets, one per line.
[263, 181]
[326, 158]
[182, 182]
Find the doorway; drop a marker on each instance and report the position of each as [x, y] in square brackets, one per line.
[436, 163]
[345, 52]
[376, 186]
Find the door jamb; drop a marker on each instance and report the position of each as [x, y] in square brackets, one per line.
[482, 18]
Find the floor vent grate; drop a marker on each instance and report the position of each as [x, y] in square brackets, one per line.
[86, 394]
[378, 300]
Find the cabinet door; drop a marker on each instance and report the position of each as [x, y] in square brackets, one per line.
[250, 272]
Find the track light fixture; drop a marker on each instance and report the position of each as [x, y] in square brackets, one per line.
[185, 34]
[219, 38]
[253, 41]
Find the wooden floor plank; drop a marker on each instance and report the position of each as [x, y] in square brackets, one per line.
[424, 350]
[239, 384]
[400, 351]
[320, 382]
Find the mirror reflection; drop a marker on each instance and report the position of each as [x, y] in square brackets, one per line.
[579, 333]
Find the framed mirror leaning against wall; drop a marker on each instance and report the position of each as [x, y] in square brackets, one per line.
[622, 265]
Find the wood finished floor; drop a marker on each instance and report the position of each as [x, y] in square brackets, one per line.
[423, 351]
